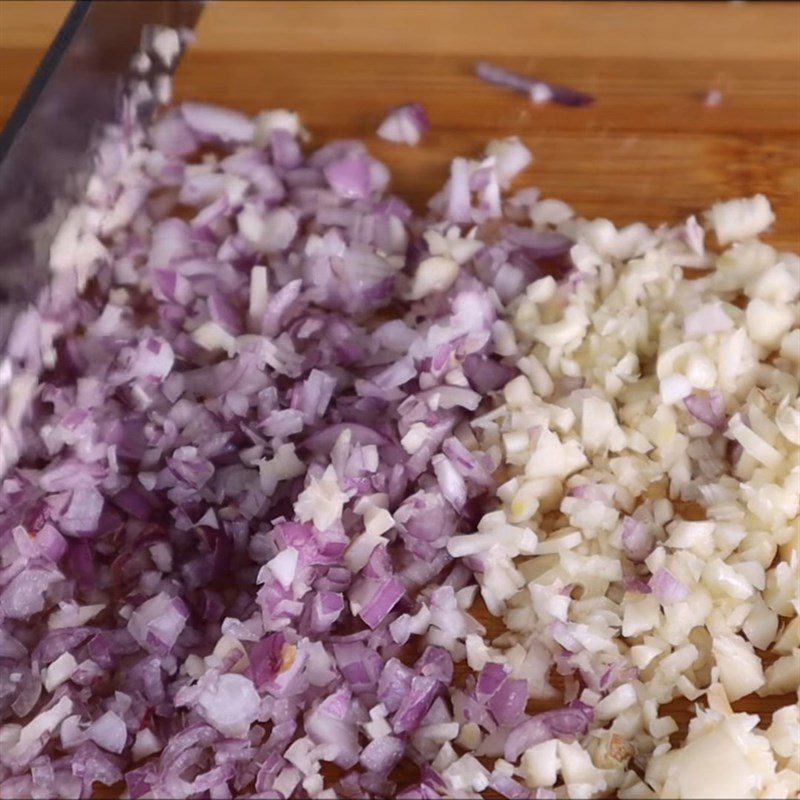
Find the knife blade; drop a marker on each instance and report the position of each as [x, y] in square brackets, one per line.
[45, 147]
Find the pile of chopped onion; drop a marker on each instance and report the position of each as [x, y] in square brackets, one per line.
[267, 433]
[236, 443]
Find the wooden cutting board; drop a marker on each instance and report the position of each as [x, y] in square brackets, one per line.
[648, 149]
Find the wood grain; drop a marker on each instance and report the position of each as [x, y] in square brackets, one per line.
[26, 30]
[608, 30]
[647, 149]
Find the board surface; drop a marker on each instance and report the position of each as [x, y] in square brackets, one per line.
[648, 149]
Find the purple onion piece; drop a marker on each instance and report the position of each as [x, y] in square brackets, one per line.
[524, 84]
[404, 124]
[667, 588]
[709, 409]
[637, 541]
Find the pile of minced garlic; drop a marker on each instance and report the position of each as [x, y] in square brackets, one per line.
[652, 446]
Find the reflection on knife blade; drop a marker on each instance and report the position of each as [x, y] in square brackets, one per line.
[45, 148]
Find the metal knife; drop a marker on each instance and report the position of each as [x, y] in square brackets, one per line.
[45, 147]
